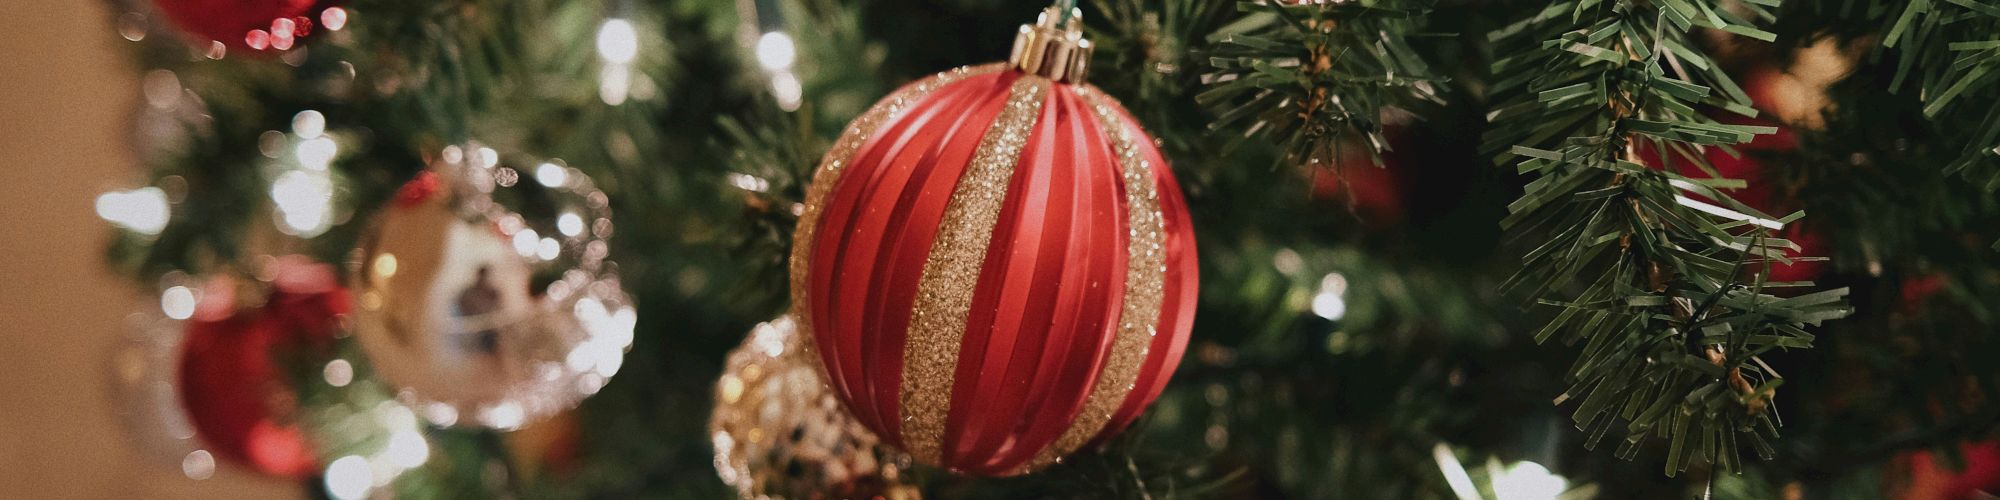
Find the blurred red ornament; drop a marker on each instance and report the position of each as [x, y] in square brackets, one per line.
[242, 24]
[1375, 192]
[1928, 478]
[234, 384]
[985, 258]
[418, 190]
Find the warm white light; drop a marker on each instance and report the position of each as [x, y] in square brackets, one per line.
[333, 18]
[569, 224]
[549, 249]
[198, 465]
[161, 88]
[776, 52]
[1329, 306]
[178, 302]
[749, 182]
[441, 414]
[1528, 481]
[619, 330]
[308, 124]
[503, 416]
[552, 175]
[580, 357]
[317, 152]
[609, 360]
[617, 42]
[614, 84]
[305, 202]
[407, 449]
[142, 210]
[786, 88]
[1331, 301]
[526, 242]
[338, 373]
[767, 337]
[348, 478]
[488, 158]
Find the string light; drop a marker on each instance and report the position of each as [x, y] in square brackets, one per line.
[552, 175]
[1331, 301]
[786, 88]
[305, 202]
[776, 51]
[333, 18]
[338, 373]
[617, 42]
[178, 302]
[316, 153]
[349, 478]
[407, 449]
[526, 242]
[569, 224]
[614, 84]
[1528, 481]
[198, 465]
[308, 124]
[549, 249]
[142, 210]
[504, 416]
[618, 46]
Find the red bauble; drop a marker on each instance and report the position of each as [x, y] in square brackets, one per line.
[1927, 479]
[242, 24]
[983, 264]
[233, 381]
[1374, 192]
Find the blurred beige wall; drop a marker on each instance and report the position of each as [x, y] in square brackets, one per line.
[64, 90]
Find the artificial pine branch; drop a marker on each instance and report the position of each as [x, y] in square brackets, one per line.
[1602, 104]
[1318, 76]
[1950, 49]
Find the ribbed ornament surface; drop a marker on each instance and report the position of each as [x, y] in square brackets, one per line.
[996, 269]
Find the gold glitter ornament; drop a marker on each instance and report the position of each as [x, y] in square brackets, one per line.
[779, 433]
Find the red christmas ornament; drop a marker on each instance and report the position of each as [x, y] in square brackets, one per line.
[233, 383]
[995, 264]
[1927, 479]
[242, 24]
[1375, 192]
[418, 190]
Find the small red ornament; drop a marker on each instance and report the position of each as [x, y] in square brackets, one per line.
[996, 264]
[418, 190]
[1374, 192]
[242, 24]
[233, 380]
[1927, 479]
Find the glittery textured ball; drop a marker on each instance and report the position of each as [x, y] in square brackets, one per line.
[996, 269]
[779, 434]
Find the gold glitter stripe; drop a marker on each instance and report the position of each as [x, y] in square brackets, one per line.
[1145, 285]
[828, 174]
[944, 291]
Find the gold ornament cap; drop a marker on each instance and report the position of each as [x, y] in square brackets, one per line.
[1053, 47]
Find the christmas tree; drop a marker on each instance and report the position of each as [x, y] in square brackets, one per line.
[1109, 248]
